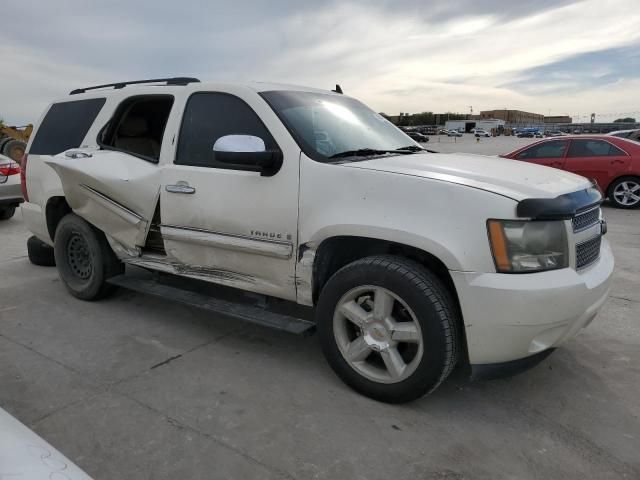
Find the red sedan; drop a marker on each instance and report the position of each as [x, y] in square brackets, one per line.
[613, 162]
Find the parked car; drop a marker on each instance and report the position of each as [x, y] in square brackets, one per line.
[418, 137]
[555, 133]
[481, 133]
[613, 162]
[454, 133]
[633, 134]
[412, 262]
[525, 135]
[10, 191]
[25, 455]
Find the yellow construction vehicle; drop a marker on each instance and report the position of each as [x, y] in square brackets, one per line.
[13, 140]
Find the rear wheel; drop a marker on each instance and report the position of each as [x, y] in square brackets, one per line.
[625, 192]
[7, 212]
[84, 258]
[387, 327]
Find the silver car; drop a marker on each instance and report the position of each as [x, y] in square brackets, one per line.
[10, 190]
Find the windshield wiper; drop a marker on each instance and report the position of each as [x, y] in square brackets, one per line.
[364, 152]
[412, 148]
[360, 152]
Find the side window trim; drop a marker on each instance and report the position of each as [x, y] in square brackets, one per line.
[620, 149]
[122, 115]
[541, 144]
[45, 146]
[221, 166]
[603, 140]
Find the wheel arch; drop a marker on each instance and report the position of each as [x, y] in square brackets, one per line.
[635, 175]
[335, 252]
[56, 208]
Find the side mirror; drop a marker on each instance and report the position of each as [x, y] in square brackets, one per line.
[247, 151]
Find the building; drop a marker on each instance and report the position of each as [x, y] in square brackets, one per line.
[468, 125]
[513, 117]
[490, 124]
[558, 119]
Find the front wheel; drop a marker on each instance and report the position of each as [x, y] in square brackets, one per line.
[387, 327]
[625, 192]
[84, 258]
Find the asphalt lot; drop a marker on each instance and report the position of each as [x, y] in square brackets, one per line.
[139, 388]
[468, 143]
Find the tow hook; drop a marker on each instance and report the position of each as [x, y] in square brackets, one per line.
[603, 227]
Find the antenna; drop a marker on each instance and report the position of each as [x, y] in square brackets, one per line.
[338, 89]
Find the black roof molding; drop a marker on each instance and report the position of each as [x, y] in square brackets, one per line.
[166, 81]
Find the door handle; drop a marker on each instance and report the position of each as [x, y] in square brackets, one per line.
[180, 187]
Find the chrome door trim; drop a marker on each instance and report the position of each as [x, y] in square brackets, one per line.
[228, 241]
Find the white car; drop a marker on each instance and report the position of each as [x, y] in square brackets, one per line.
[632, 134]
[24, 455]
[454, 133]
[413, 262]
[10, 191]
[481, 133]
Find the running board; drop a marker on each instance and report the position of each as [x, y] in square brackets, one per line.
[248, 313]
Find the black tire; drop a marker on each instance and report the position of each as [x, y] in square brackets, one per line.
[40, 253]
[84, 259]
[7, 212]
[434, 310]
[616, 201]
[14, 149]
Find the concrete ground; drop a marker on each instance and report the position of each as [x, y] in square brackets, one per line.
[139, 388]
[469, 143]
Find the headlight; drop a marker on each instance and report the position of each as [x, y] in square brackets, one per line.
[528, 246]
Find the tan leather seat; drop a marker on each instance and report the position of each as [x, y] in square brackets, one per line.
[133, 136]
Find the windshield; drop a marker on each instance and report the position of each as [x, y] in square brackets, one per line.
[326, 126]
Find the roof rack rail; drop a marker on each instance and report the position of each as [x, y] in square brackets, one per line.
[168, 81]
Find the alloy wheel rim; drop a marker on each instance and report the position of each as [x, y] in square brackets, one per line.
[377, 334]
[627, 193]
[79, 256]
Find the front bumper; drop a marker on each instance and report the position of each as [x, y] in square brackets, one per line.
[510, 317]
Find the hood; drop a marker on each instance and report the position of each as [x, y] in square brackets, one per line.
[511, 178]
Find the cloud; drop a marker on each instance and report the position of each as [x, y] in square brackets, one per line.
[402, 55]
[581, 71]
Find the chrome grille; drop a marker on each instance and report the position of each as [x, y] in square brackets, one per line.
[588, 252]
[585, 220]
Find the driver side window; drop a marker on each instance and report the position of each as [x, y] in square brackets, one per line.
[210, 116]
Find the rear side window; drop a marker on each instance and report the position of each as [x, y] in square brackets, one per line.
[65, 125]
[209, 116]
[593, 148]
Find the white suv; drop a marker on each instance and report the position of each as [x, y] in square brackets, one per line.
[412, 261]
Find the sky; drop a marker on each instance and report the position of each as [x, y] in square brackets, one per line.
[548, 56]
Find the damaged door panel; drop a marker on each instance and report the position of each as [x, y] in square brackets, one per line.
[230, 223]
[114, 191]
